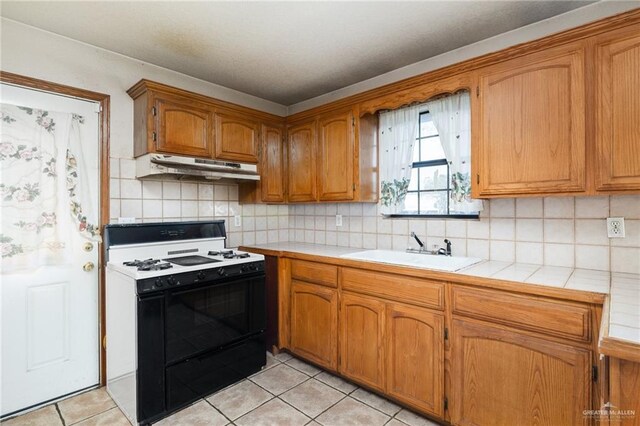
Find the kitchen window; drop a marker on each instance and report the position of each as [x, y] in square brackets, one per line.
[425, 159]
[429, 191]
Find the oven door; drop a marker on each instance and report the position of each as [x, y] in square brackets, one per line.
[212, 315]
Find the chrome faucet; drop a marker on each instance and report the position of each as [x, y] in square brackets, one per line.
[420, 243]
[445, 251]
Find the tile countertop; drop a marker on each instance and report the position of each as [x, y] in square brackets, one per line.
[623, 290]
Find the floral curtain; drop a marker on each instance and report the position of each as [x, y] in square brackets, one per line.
[42, 186]
[398, 132]
[452, 117]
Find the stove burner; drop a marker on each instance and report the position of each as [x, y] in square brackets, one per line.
[141, 262]
[229, 254]
[236, 255]
[148, 264]
[219, 252]
[155, 267]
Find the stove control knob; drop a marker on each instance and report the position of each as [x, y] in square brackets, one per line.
[159, 283]
[201, 276]
[222, 272]
[244, 268]
[171, 281]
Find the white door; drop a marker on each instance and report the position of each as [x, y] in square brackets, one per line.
[49, 332]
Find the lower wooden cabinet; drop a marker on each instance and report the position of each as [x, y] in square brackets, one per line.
[314, 323]
[415, 357]
[362, 337]
[505, 377]
[624, 391]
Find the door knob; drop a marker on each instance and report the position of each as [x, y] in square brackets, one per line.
[88, 247]
[88, 267]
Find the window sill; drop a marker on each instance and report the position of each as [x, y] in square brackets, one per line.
[432, 216]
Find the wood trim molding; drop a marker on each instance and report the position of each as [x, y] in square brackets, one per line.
[104, 101]
[143, 85]
[411, 83]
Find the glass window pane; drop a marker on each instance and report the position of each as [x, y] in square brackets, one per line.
[427, 128]
[434, 177]
[433, 202]
[431, 149]
[411, 203]
[415, 178]
[416, 151]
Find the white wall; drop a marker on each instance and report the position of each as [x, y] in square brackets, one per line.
[35, 53]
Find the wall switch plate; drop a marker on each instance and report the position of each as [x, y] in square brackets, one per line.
[338, 220]
[615, 227]
[237, 220]
[122, 220]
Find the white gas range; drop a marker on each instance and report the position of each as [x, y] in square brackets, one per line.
[185, 315]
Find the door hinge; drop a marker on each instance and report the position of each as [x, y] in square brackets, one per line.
[594, 373]
[477, 91]
[478, 178]
[104, 342]
[154, 136]
[446, 333]
[446, 403]
[353, 121]
[153, 111]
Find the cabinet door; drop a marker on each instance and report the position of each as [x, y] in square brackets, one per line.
[531, 131]
[502, 377]
[415, 357]
[362, 340]
[618, 110]
[302, 162]
[183, 127]
[236, 138]
[314, 323]
[272, 173]
[335, 157]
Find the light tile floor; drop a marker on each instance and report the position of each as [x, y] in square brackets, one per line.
[288, 392]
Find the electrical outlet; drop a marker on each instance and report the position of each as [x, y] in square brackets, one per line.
[615, 227]
[338, 220]
[237, 220]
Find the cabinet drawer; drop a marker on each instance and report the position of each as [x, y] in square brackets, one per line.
[318, 273]
[562, 319]
[394, 287]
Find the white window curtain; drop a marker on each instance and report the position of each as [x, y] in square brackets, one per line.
[42, 186]
[452, 117]
[398, 131]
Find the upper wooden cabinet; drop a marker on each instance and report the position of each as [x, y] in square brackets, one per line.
[530, 124]
[183, 127]
[335, 156]
[618, 110]
[301, 149]
[175, 121]
[503, 377]
[273, 165]
[237, 138]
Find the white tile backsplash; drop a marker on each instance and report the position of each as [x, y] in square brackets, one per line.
[554, 231]
[529, 207]
[559, 207]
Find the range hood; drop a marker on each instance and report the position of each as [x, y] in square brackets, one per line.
[150, 165]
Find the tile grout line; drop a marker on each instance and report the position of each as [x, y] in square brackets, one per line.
[60, 414]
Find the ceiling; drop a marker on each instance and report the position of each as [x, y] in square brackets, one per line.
[284, 52]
